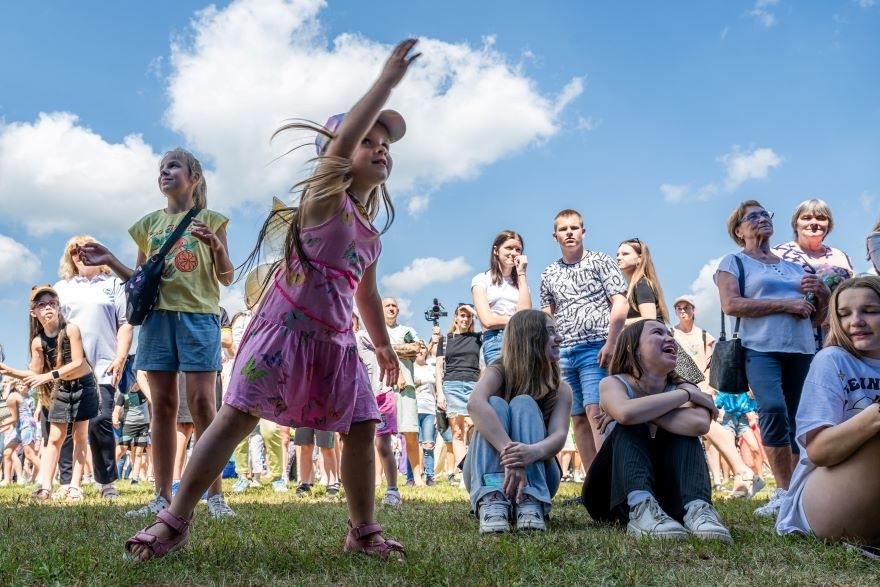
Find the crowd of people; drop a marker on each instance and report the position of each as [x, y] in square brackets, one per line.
[585, 386]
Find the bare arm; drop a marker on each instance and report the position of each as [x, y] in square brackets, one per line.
[488, 318]
[616, 323]
[831, 445]
[97, 254]
[524, 301]
[123, 345]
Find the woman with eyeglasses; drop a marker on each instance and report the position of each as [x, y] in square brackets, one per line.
[776, 329]
[645, 296]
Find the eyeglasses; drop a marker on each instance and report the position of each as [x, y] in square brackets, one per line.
[44, 305]
[754, 217]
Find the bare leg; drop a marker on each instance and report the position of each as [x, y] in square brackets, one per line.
[183, 433]
[413, 453]
[200, 395]
[583, 438]
[331, 467]
[386, 459]
[306, 464]
[49, 456]
[459, 448]
[163, 427]
[80, 444]
[358, 471]
[780, 459]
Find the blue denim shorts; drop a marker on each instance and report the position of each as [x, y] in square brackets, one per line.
[457, 395]
[736, 424]
[581, 370]
[492, 345]
[179, 341]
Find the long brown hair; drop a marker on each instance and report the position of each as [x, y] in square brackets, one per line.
[48, 391]
[645, 270]
[524, 365]
[625, 360]
[495, 263]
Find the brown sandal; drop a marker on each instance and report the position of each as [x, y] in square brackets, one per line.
[42, 494]
[361, 539]
[158, 547]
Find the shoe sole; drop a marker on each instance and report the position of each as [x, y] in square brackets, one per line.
[637, 532]
[498, 529]
[531, 527]
[719, 536]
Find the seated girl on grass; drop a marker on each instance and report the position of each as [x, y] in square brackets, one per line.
[836, 484]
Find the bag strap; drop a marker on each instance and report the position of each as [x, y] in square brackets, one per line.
[178, 232]
[705, 347]
[742, 287]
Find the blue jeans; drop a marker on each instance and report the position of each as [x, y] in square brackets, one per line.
[492, 345]
[523, 422]
[427, 437]
[776, 380]
[581, 370]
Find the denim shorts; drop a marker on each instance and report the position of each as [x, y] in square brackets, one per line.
[77, 400]
[736, 424]
[457, 395]
[492, 345]
[179, 341]
[427, 428]
[581, 370]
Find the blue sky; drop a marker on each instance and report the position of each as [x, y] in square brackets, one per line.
[652, 119]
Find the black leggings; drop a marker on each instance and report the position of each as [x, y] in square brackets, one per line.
[102, 441]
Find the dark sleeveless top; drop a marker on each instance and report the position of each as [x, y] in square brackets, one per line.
[50, 349]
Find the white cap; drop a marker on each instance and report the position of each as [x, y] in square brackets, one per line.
[685, 298]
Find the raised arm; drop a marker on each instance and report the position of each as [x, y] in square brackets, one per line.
[97, 254]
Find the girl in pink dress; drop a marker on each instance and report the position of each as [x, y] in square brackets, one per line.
[297, 363]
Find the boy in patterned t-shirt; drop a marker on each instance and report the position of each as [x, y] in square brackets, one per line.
[586, 293]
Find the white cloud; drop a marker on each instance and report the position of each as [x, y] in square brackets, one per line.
[708, 305]
[423, 272]
[724, 32]
[418, 204]
[761, 13]
[742, 167]
[674, 193]
[707, 192]
[867, 3]
[61, 176]
[245, 70]
[866, 199]
[587, 123]
[17, 263]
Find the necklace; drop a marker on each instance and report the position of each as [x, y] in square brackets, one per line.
[358, 205]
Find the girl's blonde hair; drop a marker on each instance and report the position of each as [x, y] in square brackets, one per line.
[332, 175]
[645, 269]
[524, 366]
[66, 267]
[200, 194]
[837, 336]
[453, 328]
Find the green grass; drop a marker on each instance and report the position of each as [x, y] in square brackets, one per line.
[280, 539]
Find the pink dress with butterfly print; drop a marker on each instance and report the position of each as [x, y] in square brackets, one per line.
[297, 363]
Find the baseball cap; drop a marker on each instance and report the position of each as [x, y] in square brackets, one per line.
[390, 119]
[685, 298]
[467, 307]
[39, 290]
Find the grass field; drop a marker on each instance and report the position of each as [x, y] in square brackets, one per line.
[281, 539]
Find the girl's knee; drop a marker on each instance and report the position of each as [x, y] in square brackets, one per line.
[428, 446]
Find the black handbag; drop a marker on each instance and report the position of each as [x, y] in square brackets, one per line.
[142, 288]
[727, 368]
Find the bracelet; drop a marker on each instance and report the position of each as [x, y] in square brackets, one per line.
[56, 375]
[520, 274]
[687, 391]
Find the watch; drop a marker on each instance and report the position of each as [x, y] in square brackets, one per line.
[56, 375]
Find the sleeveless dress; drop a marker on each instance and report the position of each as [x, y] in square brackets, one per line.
[297, 363]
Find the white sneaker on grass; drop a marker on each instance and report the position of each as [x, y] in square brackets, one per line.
[702, 520]
[647, 518]
[217, 507]
[494, 512]
[153, 507]
[771, 508]
[241, 485]
[530, 514]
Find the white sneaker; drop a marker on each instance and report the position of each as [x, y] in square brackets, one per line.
[217, 507]
[241, 485]
[153, 507]
[771, 508]
[392, 498]
[494, 512]
[530, 514]
[649, 519]
[701, 520]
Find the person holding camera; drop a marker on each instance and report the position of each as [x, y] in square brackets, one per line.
[501, 291]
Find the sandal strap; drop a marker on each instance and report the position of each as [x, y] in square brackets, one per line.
[365, 530]
[176, 523]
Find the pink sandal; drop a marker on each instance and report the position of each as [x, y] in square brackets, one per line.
[360, 539]
[159, 547]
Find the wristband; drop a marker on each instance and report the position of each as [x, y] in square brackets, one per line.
[687, 391]
[56, 375]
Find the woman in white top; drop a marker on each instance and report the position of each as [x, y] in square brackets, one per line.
[501, 291]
